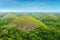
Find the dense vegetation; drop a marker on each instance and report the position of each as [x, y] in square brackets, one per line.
[11, 26]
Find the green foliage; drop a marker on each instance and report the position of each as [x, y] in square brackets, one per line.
[5, 21]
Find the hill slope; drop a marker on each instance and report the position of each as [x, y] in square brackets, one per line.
[10, 16]
[7, 19]
[50, 16]
[26, 23]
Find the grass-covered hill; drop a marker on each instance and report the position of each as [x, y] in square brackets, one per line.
[27, 23]
[9, 15]
[50, 16]
[7, 19]
[50, 19]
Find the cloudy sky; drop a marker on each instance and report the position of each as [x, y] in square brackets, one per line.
[29, 5]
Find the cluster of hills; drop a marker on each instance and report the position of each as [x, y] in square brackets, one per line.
[23, 22]
[30, 26]
[27, 22]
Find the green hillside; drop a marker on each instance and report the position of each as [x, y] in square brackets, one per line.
[50, 16]
[10, 16]
[7, 19]
[27, 23]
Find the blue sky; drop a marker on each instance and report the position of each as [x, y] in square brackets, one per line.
[29, 5]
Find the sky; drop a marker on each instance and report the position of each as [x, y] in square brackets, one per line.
[29, 5]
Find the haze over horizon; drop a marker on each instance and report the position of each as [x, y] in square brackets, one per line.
[29, 5]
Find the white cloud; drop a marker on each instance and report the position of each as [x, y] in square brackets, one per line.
[9, 10]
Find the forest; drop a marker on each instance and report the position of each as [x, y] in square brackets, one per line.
[29, 26]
